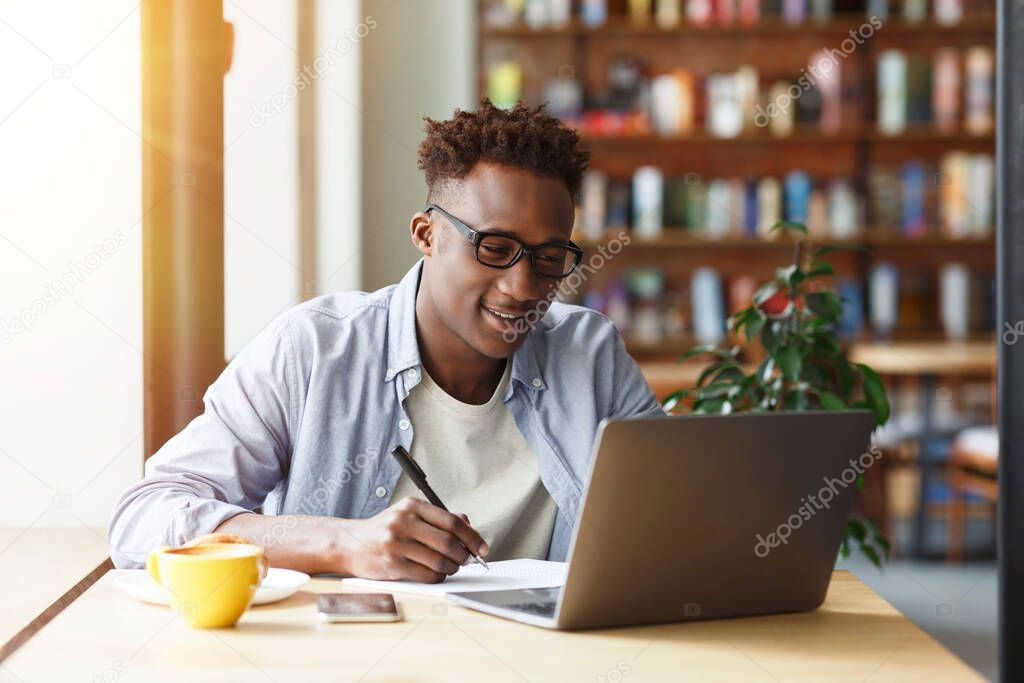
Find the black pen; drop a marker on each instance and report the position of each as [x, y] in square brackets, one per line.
[419, 478]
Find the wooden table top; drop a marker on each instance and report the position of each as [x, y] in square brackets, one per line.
[40, 569]
[854, 636]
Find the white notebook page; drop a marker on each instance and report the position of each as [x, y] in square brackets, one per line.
[503, 575]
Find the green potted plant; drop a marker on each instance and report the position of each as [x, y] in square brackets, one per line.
[792, 326]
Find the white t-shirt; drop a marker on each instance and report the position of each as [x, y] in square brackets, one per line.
[479, 464]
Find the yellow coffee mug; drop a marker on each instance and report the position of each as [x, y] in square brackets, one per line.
[210, 584]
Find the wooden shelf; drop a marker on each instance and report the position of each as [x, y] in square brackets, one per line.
[865, 135]
[839, 25]
[701, 137]
[912, 356]
[777, 50]
[681, 238]
[921, 357]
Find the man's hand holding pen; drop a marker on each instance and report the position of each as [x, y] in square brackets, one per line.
[411, 540]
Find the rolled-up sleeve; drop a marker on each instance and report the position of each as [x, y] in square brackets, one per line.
[633, 396]
[225, 461]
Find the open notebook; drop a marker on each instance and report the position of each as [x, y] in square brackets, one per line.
[503, 575]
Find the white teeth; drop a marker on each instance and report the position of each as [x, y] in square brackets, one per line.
[506, 316]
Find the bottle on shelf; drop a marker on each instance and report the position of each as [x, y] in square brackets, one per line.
[946, 89]
[978, 84]
[892, 92]
[884, 291]
[648, 190]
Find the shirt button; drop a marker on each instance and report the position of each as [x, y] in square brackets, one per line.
[536, 382]
[381, 492]
[411, 374]
[403, 424]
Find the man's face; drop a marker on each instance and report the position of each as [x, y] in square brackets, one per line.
[472, 299]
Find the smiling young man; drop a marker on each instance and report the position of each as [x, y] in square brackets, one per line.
[495, 388]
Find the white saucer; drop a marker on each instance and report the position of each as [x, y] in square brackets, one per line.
[278, 585]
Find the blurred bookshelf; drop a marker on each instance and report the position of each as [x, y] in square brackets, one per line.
[882, 135]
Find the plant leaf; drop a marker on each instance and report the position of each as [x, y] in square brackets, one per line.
[789, 225]
[789, 362]
[796, 399]
[878, 537]
[871, 554]
[672, 400]
[714, 367]
[825, 304]
[793, 276]
[819, 268]
[705, 348]
[845, 376]
[812, 375]
[827, 342]
[754, 324]
[715, 390]
[830, 401]
[770, 337]
[709, 406]
[874, 393]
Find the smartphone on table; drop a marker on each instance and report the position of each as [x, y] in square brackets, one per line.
[341, 607]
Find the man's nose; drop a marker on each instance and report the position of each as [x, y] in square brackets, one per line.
[522, 284]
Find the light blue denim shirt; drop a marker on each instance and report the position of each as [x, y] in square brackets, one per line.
[303, 420]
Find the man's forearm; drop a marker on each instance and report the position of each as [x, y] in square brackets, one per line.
[301, 542]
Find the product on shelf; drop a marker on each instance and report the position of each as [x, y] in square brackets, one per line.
[883, 286]
[648, 189]
[505, 84]
[892, 92]
[914, 197]
[979, 68]
[672, 103]
[708, 309]
[668, 13]
[966, 185]
[594, 12]
[954, 286]
[715, 147]
[946, 89]
[915, 11]
[949, 12]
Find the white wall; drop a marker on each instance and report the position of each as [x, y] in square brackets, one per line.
[342, 33]
[70, 126]
[70, 193]
[261, 241]
[419, 62]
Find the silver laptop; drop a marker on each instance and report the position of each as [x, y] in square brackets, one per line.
[703, 517]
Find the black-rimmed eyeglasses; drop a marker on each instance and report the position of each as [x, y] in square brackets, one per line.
[552, 260]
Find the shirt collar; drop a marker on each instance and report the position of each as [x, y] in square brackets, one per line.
[403, 351]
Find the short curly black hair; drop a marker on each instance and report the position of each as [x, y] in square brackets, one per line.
[521, 137]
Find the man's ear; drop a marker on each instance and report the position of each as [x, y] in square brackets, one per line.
[424, 237]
